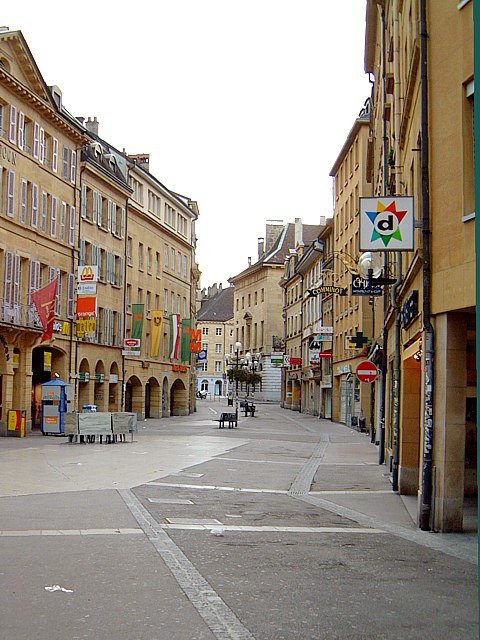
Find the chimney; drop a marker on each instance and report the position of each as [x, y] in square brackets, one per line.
[261, 247]
[298, 232]
[92, 125]
[249, 261]
[141, 159]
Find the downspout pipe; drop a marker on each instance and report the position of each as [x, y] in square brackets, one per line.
[383, 386]
[425, 519]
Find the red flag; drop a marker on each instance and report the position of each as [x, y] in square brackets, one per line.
[44, 300]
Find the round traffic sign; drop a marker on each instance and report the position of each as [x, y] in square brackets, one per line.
[366, 371]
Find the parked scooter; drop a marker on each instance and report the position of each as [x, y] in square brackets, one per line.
[201, 394]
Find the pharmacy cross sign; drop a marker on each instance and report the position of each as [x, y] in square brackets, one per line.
[359, 339]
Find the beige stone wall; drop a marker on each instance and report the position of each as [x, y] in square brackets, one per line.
[258, 308]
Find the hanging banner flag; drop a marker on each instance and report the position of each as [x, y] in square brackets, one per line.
[174, 335]
[137, 321]
[185, 349]
[156, 331]
[44, 300]
[195, 340]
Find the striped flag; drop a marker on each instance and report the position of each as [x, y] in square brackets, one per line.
[44, 300]
[174, 335]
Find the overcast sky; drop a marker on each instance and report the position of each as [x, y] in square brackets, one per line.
[242, 106]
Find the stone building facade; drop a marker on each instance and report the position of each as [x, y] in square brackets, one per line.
[420, 55]
[353, 311]
[258, 302]
[215, 322]
[70, 201]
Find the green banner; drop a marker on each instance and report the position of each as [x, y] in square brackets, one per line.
[137, 321]
[185, 348]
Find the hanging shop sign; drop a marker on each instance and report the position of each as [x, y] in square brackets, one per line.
[87, 273]
[341, 291]
[410, 308]
[131, 347]
[87, 307]
[361, 287]
[387, 224]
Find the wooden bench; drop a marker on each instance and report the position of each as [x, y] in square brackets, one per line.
[231, 418]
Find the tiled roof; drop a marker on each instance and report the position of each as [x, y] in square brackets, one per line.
[217, 309]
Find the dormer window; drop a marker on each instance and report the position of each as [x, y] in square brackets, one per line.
[112, 160]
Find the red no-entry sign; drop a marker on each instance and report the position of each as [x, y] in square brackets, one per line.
[366, 371]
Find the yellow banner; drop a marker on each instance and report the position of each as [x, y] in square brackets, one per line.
[156, 333]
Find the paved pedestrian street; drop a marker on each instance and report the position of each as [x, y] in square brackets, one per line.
[285, 527]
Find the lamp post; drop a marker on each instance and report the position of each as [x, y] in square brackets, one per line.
[252, 361]
[235, 362]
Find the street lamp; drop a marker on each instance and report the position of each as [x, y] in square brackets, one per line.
[236, 364]
[252, 361]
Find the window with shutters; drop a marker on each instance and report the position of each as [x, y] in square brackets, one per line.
[63, 221]
[129, 250]
[70, 295]
[73, 167]
[148, 303]
[149, 259]
[44, 212]
[55, 155]
[172, 259]
[21, 130]
[41, 146]
[165, 300]
[83, 201]
[53, 217]
[36, 140]
[71, 226]
[65, 162]
[54, 272]
[158, 268]
[23, 201]
[10, 193]
[101, 261]
[140, 256]
[34, 207]
[12, 130]
[165, 256]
